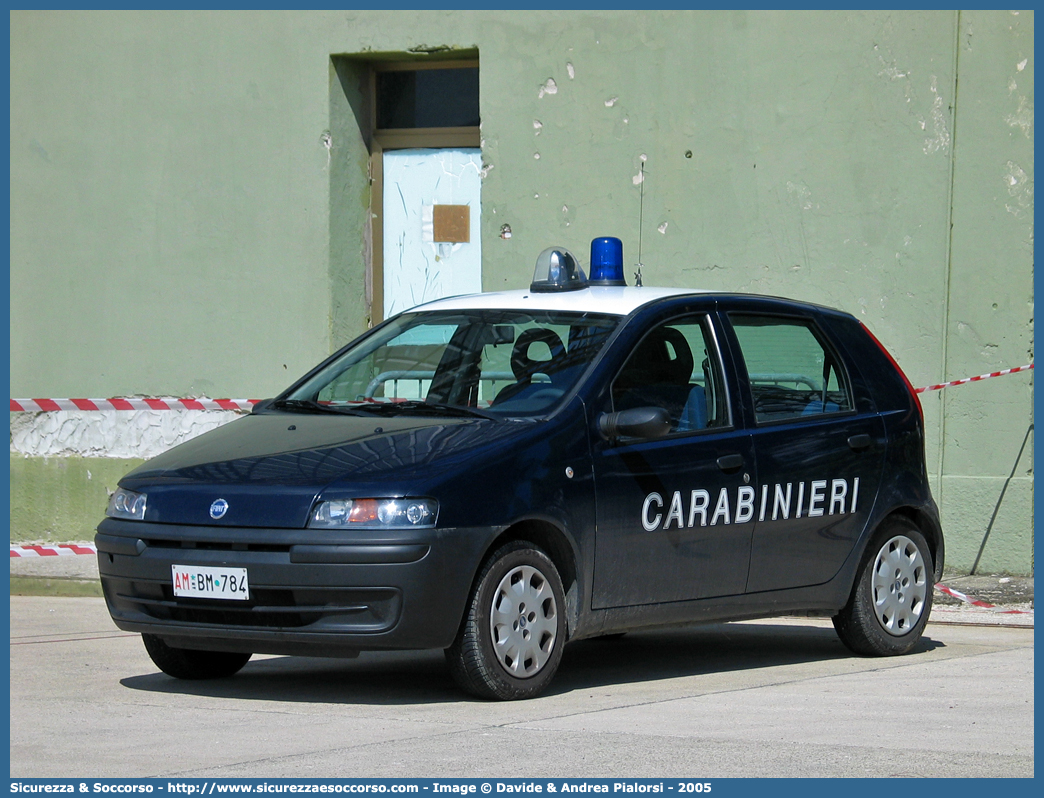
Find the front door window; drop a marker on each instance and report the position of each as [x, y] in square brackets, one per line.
[674, 515]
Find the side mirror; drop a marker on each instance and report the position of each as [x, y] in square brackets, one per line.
[638, 422]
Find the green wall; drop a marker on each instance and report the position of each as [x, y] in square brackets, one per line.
[61, 499]
[179, 226]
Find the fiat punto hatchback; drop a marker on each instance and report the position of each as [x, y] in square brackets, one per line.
[499, 474]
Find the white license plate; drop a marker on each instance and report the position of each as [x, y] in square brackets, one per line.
[201, 581]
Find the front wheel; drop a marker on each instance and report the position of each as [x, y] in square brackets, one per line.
[510, 642]
[187, 663]
[892, 598]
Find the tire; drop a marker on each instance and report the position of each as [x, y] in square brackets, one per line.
[892, 598]
[510, 641]
[186, 663]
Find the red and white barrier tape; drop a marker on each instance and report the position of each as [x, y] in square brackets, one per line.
[50, 405]
[170, 403]
[58, 550]
[949, 591]
[942, 385]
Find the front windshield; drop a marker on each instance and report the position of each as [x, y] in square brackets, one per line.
[482, 362]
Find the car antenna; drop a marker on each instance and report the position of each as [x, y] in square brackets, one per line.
[641, 215]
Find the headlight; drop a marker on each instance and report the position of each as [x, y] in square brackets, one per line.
[127, 504]
[375, 513]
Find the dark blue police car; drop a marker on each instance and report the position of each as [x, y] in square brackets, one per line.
[499, 474]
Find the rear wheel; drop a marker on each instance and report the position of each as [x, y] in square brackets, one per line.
[187, 663]
[510, 643]
[892, 598]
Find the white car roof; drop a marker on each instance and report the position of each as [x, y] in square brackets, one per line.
[598, 299]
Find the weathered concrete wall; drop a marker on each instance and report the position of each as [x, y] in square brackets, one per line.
[190, 197]
[123, 434]
[989, 309]
[169, 203]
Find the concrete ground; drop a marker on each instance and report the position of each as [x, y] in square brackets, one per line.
[778, 698]
[763, 698]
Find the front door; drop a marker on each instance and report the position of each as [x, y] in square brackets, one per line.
[675, 515]
[432, 246]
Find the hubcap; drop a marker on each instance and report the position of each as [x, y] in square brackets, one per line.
[523, 622]
[900, 585]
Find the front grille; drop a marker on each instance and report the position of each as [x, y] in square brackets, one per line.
[209, 545]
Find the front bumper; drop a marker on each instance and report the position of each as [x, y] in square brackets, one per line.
[312, 592]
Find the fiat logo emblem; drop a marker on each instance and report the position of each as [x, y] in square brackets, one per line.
[218, 509]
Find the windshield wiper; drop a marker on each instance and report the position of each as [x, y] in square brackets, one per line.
[412, 406]
[310, 405]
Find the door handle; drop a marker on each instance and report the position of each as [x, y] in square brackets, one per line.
[859, 442]
[730, 462]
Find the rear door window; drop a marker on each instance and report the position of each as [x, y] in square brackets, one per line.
[792, 373]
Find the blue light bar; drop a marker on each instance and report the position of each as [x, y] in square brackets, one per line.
[607, 262]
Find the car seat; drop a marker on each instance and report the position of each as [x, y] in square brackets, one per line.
[524, 366]
[658, 374]
[694, 414]
[817, 406]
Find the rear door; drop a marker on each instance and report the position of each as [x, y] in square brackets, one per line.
[819, 449]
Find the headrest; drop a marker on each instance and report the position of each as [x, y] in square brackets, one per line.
[522, 365]
[664, 357]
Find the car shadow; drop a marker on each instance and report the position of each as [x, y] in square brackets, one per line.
[700, 650]
[421, 677]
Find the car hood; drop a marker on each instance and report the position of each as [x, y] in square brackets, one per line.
[270, 467]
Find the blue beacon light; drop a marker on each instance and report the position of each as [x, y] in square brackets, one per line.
[607, 262]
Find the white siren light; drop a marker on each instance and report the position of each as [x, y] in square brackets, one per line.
[557, 269]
